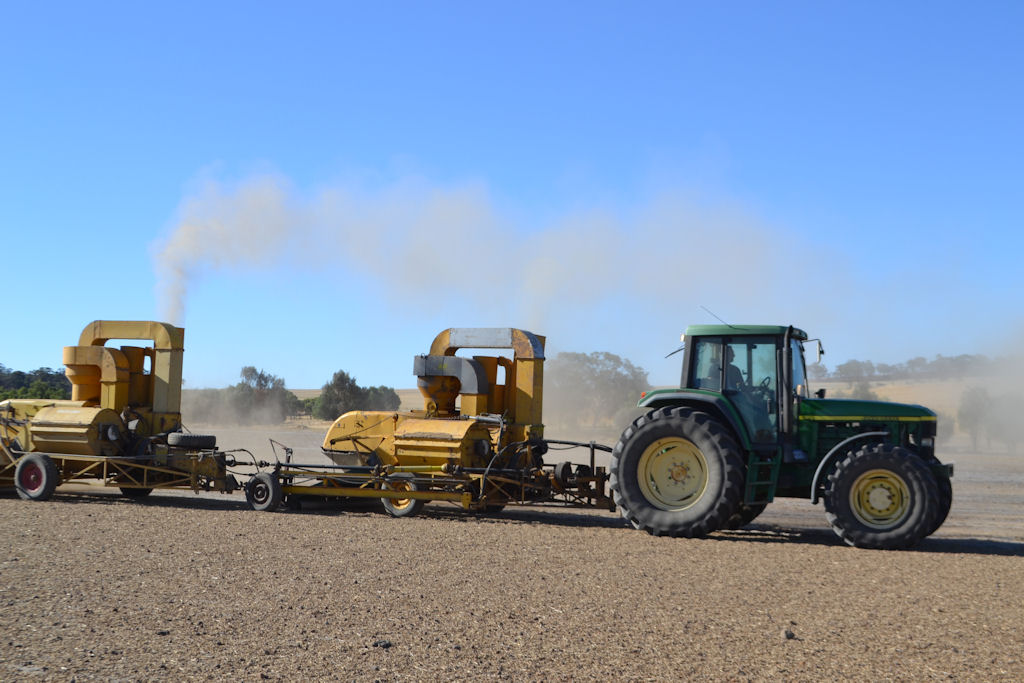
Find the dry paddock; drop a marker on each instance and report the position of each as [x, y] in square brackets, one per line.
[178, 587]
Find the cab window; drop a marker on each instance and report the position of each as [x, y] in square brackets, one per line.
[799, 369]
[752, 383]
[707, 366]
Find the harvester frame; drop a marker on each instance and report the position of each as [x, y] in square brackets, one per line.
[400, 486]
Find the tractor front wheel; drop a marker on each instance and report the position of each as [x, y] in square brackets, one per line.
[676, 472]
[881, 496]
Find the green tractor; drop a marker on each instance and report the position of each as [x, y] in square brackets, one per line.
[742, 430]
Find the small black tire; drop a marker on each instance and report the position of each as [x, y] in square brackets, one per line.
[881, 496]
[744, 515]
[134, 492]
[36, 477]
[563, 473]
[196, 441]
[676, 472]
[402, 507]
[263, 492]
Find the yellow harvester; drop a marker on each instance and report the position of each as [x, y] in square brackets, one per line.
[478, 442]
[122, 425]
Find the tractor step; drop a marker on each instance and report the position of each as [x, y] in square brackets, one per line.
[762, 477]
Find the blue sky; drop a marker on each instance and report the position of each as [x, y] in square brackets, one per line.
[339, 182]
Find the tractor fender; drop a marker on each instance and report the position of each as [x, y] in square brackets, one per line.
[709, 402]
[837, 450]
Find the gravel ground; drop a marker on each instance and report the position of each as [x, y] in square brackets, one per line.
[183, 587]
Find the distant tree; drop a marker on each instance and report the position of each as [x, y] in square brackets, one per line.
[1004, 423]
[593, 389]
[885, 371]
[860, 390]
[917, 367]
[855, 371]
[259, 397]
[343, 394]
[817, 371]
[975, 412]
[382, 398]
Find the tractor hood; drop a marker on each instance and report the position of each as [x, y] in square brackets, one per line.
[853, 410]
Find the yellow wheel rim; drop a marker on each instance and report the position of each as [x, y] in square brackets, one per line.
[880, 499]
[400, 503]
[672, 473]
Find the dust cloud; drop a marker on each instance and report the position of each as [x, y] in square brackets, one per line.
[670, 252]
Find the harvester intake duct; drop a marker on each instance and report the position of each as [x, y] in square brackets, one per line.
[431, 371]
[470, 373]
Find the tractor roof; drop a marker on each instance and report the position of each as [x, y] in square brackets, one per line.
[741, 330]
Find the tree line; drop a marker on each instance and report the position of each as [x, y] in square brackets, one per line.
[919, 368]
[259, 396]
[41, 383]
[262, 398]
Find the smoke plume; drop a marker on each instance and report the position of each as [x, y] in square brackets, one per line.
[669, 253]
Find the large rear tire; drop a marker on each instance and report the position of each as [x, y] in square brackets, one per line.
[676, 472]
[881, 496]
[35, 477]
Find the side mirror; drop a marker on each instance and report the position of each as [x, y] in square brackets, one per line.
[819, 352]
[820, 393]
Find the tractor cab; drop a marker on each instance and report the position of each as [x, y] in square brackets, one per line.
[758, 371]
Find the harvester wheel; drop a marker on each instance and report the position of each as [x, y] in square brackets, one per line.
[197, 441]
[135, 493]
[402, 507]
[263, 492]
[744, 515]
[563, 473]
[36, 477]
[676, 472]
[882, 496]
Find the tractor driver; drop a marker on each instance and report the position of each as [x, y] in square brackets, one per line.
[733, 376]
[713, 378]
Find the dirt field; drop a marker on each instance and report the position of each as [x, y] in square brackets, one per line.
[97, 587]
